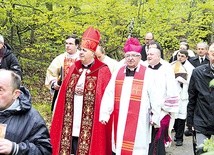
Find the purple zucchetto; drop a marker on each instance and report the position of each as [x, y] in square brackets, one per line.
[132, 45]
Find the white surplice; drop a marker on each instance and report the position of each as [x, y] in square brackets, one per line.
[150, 97]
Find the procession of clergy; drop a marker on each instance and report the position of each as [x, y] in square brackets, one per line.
[105, 107]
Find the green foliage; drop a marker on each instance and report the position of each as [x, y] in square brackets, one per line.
[209, 144]
[45, 110]
[36, 29]
[208, 153]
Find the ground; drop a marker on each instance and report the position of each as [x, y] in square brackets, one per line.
[186, 149]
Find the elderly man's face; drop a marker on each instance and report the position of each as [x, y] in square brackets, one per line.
[201, 50]
[7, 93]
[132, 59]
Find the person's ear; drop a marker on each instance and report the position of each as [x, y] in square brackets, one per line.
[16, 94]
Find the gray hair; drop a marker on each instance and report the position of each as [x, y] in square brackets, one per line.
[15, 79]
[211, 49]
[1, 39]
[203, 44]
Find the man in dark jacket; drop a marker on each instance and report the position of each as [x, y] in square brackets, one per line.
[200, 109]
[7, 59]
[148, 38]
[201, 57]
[22, 129]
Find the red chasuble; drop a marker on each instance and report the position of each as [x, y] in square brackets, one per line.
[94, 138]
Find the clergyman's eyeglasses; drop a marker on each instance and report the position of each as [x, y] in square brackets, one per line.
[131, 55]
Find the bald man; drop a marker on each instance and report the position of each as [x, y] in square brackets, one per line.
[147, 39]
[166, 87]
[23, 130]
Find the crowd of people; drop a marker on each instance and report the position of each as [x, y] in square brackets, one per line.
[110, 107]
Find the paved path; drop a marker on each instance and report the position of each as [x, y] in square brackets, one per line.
[186, 149]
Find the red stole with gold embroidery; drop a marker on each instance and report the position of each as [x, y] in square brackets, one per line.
[134, 107]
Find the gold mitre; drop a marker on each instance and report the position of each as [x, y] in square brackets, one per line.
[179, 69]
